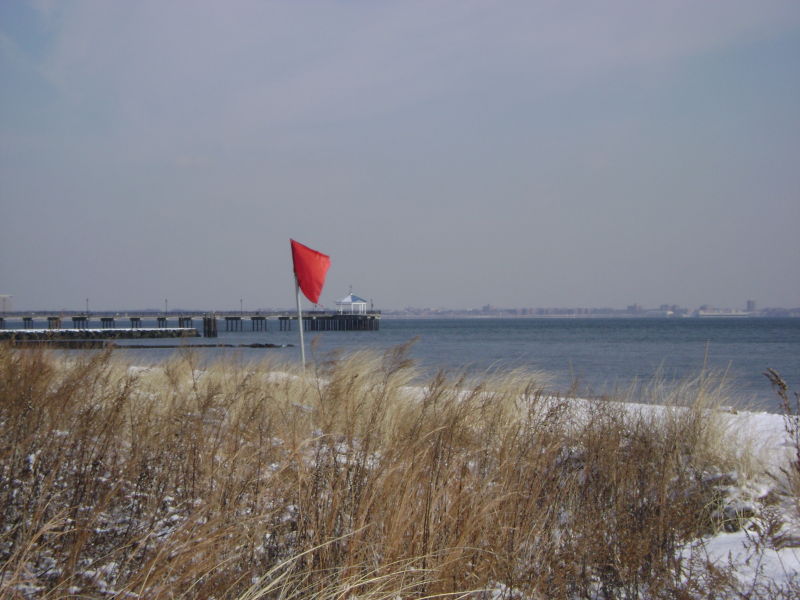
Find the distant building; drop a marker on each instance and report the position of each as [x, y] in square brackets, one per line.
[352, 305]
[751, 306]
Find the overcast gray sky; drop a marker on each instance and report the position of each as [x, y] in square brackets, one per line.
[444, 153]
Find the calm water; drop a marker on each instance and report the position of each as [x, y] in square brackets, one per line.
[600, 354]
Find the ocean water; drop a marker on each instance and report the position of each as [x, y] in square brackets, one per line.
[598, 355]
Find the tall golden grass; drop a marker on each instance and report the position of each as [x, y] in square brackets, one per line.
[257, 481]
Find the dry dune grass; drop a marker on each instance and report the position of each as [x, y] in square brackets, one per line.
[254, 481]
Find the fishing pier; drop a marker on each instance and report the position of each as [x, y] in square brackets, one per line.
[46, 325]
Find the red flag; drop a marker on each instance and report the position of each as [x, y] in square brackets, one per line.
[310, 268]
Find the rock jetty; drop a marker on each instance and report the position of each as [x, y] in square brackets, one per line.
[97, 334]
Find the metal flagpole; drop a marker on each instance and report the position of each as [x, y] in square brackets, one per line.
[300, 324]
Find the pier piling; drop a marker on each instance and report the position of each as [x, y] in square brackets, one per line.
[210, 327]
[233, 323]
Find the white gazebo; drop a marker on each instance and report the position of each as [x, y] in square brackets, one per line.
[352, 305]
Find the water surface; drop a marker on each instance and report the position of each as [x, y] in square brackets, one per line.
[601, 355]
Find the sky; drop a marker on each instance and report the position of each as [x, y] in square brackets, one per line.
[443, 153]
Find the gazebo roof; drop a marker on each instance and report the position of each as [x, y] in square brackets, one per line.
[352, 299]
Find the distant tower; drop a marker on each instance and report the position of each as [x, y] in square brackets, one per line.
[751, 306]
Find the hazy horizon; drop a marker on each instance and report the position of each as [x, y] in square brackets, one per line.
[453, 154]
[10, 307]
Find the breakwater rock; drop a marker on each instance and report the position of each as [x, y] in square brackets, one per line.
[96, 334]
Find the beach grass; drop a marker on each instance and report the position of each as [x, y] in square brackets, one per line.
[241, 480]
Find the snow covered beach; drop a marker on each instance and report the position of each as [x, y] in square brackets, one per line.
[753, 558]
[239, 480]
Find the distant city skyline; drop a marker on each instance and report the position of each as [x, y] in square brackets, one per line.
[443, 154]
[663, 310]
